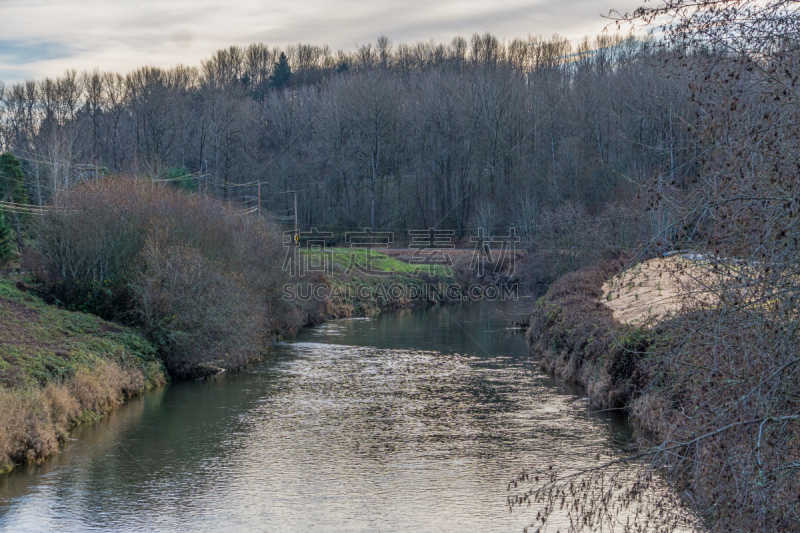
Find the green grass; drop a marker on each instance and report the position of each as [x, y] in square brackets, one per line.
[364, 262]
[40, 343]
[365, 279]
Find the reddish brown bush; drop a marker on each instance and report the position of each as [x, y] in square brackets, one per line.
[201, 280]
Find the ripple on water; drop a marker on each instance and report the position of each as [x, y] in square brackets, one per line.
[359, 426]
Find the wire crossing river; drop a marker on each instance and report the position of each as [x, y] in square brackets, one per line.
[407, 422]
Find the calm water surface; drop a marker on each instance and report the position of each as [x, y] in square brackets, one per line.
[407, 422]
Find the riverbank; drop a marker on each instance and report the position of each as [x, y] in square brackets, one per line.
[707, 383]
[59, 369]
[371, 416]
[578, 339]
[349, 283]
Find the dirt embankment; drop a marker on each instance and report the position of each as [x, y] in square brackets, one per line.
[577, 338]
[657, 289]
[593, 327]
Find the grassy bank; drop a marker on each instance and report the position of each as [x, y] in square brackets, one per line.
[60, 368]
[365, 282]
[715, 388]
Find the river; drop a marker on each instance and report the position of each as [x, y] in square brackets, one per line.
[411, 421]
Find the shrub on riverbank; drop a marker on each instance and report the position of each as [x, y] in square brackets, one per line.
[715, 386]
[723, 392]
[202, 281]
[59, 368]
[579, 340]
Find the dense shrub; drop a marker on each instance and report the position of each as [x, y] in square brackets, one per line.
[181, 178]
[202, 281]
[192, 310]
[715, 388]
[724, 392]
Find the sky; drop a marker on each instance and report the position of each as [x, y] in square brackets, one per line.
[46, 37]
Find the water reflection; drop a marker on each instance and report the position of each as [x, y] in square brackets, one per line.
[408, 422]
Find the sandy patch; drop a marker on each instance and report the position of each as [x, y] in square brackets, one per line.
[657, 288]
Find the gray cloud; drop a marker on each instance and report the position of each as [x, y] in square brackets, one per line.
[44, 38]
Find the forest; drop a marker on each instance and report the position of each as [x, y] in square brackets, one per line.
[472, 133]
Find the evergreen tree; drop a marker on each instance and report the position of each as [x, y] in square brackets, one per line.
[5, 238]
[281, 73]
[12, 180]
[12, 188]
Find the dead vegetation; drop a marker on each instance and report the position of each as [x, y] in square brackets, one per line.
[61, 368]
[202, 281]
[34, 422]
[657, 289]
[578, 339]
[714, 385]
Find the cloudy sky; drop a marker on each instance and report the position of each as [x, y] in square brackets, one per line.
[44, 37]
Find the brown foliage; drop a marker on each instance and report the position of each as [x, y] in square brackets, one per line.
[34, 422]
[201, 280]
[716, 388]
[726, 384]
[193, 310]
[579, 340]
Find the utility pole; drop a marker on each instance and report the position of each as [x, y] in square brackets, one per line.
[259, 198]
[296, 233]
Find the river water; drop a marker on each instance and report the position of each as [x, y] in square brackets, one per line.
[414, 421]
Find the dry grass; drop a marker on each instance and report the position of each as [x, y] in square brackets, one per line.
[58, 369]
[35, 421]
[656, 289]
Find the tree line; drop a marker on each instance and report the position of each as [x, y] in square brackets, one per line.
[474, 133]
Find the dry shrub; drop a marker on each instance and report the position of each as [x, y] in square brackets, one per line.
[21, 423]
[578, 339]
[724, 390]
[194, 312]
[203, 282]
[64, 405]
[570, 237]
[34, 422]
